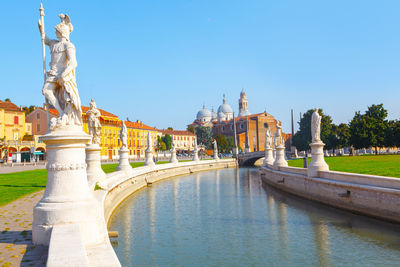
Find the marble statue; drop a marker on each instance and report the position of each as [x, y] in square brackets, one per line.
[268, 139]
[149, 142]
[172, 143]
[316, 127]
[124, 135]
[215, 145]
[60, 89]
[278, 135]
[94, 123]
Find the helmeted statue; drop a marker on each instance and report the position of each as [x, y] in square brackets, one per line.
[268, 139]
[316, 127]
[94, 123]
[60, 89]
[124, 135]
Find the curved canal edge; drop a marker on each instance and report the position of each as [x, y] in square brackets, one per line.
[370, 195]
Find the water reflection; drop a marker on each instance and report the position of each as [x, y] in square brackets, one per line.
[228, 217]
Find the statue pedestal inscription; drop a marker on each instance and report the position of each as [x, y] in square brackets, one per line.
[93, 160]
[317, 161]
[280, 160]
[124, 160]
[67, 198]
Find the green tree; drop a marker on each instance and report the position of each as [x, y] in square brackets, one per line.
[392, 134]
[369, 129]
[223, 145]
[7, 100]
[28, 110]
[203, 134]
[160, 144]
[339, 136]
[302, 139]
[191, 129]
[167, 141]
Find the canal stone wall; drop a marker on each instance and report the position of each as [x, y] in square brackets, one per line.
[67, 246]
[120, 185]
[370, 195]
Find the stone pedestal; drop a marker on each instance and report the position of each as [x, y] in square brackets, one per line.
[173, 156]
[149, 161]
[93, 160]
[235, 152]
[215, 154]
[280, 160]
[195, 155]
[124, 160]
[269, 158]
[67, 198]
[317, 160]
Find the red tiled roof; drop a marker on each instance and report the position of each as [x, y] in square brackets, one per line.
[102, 112]
[9, 106]
[174, 132]
[139, 125]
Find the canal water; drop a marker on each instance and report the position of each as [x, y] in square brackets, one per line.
[230, 218]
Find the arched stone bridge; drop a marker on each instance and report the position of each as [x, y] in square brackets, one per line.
[249, 158]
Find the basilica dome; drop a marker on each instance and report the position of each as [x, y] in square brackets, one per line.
[214, 115]
[204, 115]
[226, 109]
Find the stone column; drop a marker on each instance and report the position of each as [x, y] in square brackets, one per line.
[124, 160]
[317, 159]
[269, 158]
[173, 156]
[93, 160]
[280, 160]
[195, 152]
[215, 154]
[67, 198]
[149, 161]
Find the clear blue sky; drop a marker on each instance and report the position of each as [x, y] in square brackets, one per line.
[159, 61]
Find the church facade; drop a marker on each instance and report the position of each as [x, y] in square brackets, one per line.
[250, 128]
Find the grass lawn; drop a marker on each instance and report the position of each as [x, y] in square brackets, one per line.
[384, 165]
[19, 184]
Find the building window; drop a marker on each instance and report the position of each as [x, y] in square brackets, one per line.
[38, 127]
[38, 115]
[223, 128]
[241, 126]
[15, 119]
[232, 127]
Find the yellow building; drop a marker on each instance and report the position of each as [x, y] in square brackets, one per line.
[13, 129]
[110, 132]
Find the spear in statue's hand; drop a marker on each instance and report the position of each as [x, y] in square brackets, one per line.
[41, 22]
[43, 35]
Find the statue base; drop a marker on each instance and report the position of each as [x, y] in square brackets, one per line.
[196, 155]
[93, 160]
[317, 160]
[215, 155]
[173, 157]
[67, 198]
[124, 160]
[280, 160]
[149, 159]
[269, 158]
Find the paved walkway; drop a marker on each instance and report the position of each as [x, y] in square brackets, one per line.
[16, 247]
[9, 169]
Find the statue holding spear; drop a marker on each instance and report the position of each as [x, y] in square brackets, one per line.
[60, 89]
